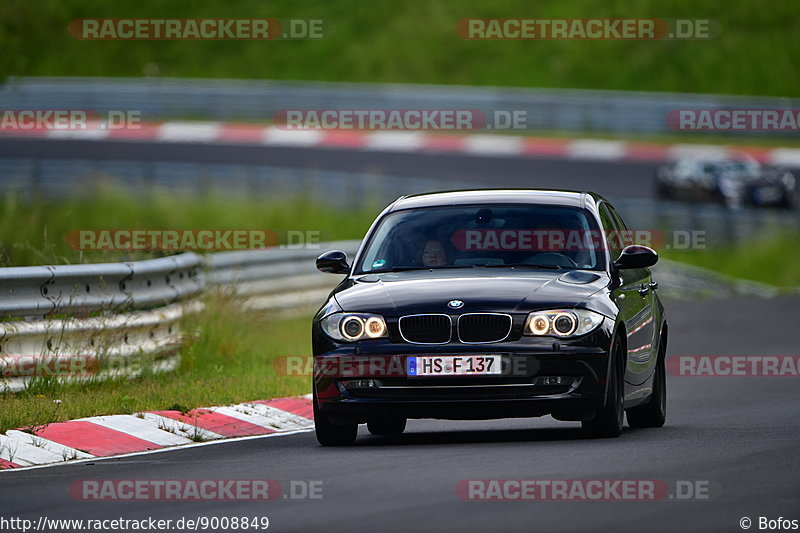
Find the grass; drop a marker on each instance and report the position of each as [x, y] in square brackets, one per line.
[756, 53]
[35, 232]
[234, 357]
[773, 259]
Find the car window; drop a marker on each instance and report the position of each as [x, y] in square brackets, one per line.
[625, 237]
[618, 222]
[612, 230]
[542, 236]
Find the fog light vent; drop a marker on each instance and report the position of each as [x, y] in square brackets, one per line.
[354, 384]
[553, 380]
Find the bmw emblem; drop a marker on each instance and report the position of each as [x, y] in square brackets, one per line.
[455, 304]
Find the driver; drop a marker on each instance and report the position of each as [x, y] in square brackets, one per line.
[433, 253]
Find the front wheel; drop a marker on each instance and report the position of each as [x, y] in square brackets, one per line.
[653, 414]
[332, 435]
[609, 419]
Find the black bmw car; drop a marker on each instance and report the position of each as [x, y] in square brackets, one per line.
[490, 304]
[733, 183]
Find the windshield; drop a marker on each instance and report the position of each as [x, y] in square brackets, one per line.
[499, 236]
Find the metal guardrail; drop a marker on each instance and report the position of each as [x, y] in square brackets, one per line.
[274, 279]
[77, 318]
[547, 109]
[39, 291]
[75, 349]
[97, 321]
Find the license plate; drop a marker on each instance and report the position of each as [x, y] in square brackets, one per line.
[454, 365]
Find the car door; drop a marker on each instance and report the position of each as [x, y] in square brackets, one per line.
[634, 297]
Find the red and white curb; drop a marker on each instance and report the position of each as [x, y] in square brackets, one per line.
[111, 435]
[474, 144]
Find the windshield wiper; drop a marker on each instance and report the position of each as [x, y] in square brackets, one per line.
[395, 269]
[405, 268]
[445, 267]
[523, 265]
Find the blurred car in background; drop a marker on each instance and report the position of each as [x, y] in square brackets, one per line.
[732, 182]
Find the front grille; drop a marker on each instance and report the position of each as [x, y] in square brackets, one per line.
[483, 327]
[426, 329]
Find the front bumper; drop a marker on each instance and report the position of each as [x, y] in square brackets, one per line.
[515, 393]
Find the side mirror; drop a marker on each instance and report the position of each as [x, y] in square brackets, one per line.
[636, 256]
[333, 262]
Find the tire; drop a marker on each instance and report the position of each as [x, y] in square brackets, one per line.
[332, 435]
[789, 201]
[387, 426]
[653, 414]
[608, 421]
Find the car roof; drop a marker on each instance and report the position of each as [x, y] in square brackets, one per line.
[498, 196]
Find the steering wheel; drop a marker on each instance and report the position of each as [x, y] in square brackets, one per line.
[551, 258]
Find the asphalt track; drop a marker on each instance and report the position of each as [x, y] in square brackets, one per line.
[740, 435]
[613, 178]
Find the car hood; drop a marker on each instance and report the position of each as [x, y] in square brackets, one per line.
[425, 291]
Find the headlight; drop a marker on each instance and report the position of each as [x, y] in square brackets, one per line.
[351, 327]
[562, 322]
